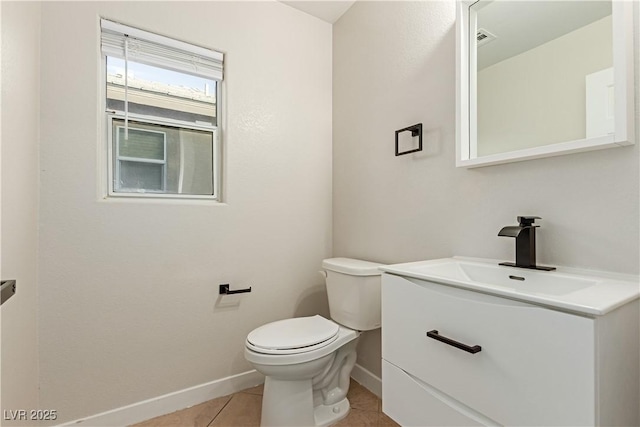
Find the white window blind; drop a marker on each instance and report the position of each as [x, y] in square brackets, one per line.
[129, 43]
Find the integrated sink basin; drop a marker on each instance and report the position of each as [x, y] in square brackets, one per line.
[505, 277]
[588, 292]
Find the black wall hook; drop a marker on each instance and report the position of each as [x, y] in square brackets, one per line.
[416, 130]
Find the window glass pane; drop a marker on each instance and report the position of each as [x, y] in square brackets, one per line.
[195, 172]
[188, 168]
[141, 176]
[158, 92]
[143, 144]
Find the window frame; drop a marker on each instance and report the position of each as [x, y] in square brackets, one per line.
[109, 191]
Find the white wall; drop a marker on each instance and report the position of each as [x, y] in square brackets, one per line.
[394, 66]
[128, 289]
[20, 133]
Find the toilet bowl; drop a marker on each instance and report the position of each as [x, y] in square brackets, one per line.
[307, 361]
[305, 385]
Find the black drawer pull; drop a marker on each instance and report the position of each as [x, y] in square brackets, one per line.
[470, 349]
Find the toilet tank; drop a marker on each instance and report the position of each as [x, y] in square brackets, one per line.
[353, 289]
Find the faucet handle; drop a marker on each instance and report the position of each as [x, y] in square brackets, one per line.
[527, 221]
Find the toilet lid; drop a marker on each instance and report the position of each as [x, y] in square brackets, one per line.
[299, 333]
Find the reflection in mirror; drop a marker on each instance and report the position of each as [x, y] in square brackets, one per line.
[544, 73]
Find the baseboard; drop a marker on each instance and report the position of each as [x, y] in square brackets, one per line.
[368, 380]
[171, 402]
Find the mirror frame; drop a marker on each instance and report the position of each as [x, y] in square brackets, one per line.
[622, 19]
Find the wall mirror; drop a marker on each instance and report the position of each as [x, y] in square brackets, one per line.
[542, 78]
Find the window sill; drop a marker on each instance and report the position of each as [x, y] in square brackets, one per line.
[163, 199]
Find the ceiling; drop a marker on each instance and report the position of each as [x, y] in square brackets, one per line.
[329, 11]
[523, 25]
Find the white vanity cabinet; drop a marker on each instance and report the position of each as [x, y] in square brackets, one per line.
[535, 366]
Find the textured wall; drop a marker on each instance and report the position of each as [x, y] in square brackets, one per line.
[128, 289]
[394, 66]
[20, 109]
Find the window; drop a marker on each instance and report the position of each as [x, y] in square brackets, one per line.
[141, 160]
[162, 112]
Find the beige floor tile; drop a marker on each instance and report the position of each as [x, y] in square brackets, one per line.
[242, 410]
[361, 398]
[196, 416]
[359, 418]
[255, 390]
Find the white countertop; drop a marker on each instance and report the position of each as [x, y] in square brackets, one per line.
[581, 291]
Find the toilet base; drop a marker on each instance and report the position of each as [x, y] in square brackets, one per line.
[326, 415]
[287, 403]
[290, 403]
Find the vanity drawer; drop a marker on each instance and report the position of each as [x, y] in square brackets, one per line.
[535, 367]
[412, 403]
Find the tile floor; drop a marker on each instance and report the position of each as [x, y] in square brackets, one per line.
[243, 409]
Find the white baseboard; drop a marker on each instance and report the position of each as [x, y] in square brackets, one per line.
[368, 380]
[171, 402]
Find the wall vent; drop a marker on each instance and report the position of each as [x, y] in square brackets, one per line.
[483, 36]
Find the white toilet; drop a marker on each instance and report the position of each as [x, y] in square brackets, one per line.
[307, 361]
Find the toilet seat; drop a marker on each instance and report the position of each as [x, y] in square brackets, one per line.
[260, 357]
[293, 336]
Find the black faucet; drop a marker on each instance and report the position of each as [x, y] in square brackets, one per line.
[525, 234]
